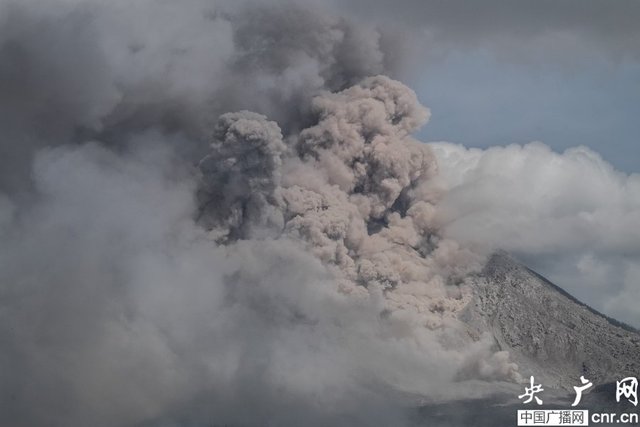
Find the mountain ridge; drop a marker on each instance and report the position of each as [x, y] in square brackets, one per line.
[549, 333]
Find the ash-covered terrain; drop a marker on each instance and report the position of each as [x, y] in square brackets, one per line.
[549, 333]
[551, 336]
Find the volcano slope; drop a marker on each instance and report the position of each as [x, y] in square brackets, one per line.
[550, 335]
[547, 332]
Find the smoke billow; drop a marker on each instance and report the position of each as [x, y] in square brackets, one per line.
[72, 71]
[216, 214]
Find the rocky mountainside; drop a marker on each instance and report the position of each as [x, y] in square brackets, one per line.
[548, 333]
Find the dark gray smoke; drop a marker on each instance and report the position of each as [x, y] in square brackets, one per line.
[76, 70]
[534, 31]
[215, 214]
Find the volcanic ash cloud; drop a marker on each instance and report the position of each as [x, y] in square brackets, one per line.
[297, 269]
[356, 191]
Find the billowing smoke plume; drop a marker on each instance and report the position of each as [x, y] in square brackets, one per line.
[355, 188]
[216, 215]
[76, 70]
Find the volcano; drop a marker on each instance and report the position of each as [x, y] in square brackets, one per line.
[551, 336]
[548, 332]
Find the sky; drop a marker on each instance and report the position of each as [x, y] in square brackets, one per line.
[480, 100]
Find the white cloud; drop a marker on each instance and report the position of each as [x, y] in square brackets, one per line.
[571, 215]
